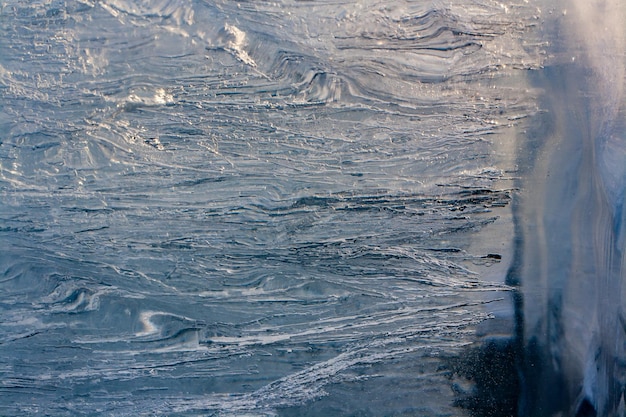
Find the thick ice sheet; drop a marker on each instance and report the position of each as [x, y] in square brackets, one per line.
[289, 208]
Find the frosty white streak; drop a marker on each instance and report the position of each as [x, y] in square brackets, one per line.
[570, 260]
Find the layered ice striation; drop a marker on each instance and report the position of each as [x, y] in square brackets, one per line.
[259, 208]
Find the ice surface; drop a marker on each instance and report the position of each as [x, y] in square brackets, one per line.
[258, 208]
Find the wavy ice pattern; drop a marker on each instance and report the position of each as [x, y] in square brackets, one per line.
[261, 208]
